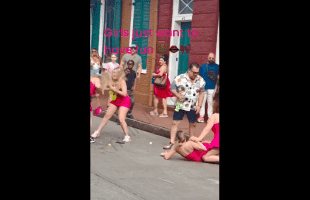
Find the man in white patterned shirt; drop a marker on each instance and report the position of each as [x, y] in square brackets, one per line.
[188, 88]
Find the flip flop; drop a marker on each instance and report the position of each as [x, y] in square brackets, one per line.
[154, 113]
[163, 115]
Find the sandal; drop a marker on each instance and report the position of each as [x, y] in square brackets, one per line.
[163, 115]
[95, 134]
[168, 146]
[153, 113]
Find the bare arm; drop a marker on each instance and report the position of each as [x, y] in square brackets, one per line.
[200, 99]
[122, 65]
[162, 69]
[124, 89]
[208, 128]
[169, 155]
[198, 146]
[175, 93]
[139, 70]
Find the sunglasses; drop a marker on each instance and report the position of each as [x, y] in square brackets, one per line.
[129, 64]
[211, 58]
[197, 73]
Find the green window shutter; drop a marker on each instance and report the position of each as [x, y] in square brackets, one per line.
[113, 13]
[185, 41]
[95, 23]
[141, 22]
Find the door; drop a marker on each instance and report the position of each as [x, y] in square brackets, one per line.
[184, 48]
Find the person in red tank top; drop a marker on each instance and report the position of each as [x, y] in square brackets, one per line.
[213, 154]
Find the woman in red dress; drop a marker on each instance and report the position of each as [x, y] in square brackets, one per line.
[161, 93]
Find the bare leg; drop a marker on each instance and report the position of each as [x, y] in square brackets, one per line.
[91, 120]
[192, 129]
[122, 113]
[174, 130]
[165, 106]
[155, 103]
[109, 100]
[212, 156]
[107, 117]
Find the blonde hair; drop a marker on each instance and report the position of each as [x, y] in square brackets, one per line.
[121, 76]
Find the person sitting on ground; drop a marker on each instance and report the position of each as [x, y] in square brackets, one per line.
[214, 124]
[190, 150]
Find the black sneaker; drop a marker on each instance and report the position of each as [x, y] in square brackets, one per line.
[130, 116]
[92, 140]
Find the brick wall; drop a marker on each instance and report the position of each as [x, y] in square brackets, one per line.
[205, 22]
[125, 24]
[164, 23]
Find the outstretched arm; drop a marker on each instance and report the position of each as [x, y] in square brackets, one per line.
[168, 155]
[197, 145]
[206, 130]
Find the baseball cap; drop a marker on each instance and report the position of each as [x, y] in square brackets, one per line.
[133, 46]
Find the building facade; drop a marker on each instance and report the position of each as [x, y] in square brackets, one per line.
[160, 24]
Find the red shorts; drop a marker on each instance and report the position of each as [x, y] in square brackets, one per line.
[122, 101]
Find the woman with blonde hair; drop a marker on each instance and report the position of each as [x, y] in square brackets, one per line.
[190, 150]
[95, 61]
[120, 101]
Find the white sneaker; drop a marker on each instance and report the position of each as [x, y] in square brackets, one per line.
[127, 139]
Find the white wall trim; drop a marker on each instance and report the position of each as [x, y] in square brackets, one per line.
[100, 43]
[144, 71]
[217, 54]
[131, 23]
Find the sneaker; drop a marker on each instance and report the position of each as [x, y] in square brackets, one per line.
[130, 116]
[117, 122]
[127, 139]
[92, 140]
[201, 119]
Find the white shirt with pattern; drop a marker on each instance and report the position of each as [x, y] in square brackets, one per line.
[188, 89]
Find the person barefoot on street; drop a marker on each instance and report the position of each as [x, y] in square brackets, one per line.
[188, 149]
[120, 100]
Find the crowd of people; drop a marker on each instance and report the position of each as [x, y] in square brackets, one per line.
[193, 89]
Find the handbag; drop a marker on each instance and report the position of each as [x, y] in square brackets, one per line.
[161, 82]
[99, 109]
[211, 74]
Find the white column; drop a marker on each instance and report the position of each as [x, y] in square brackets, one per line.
[100, 45]
[217, 55]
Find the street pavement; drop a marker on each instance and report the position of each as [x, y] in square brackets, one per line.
[135, 170]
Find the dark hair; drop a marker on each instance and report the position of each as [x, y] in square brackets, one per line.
[165, 58]
[193, 65]
[131, 61]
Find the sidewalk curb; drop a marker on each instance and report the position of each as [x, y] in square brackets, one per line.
[141, 125]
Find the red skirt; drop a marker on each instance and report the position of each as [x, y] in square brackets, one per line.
[163, 93]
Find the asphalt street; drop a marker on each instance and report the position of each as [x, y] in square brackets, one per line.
[135, 170]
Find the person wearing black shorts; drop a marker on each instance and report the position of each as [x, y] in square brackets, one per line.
[188, 88]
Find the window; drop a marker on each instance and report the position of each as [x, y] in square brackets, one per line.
[185, 6]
